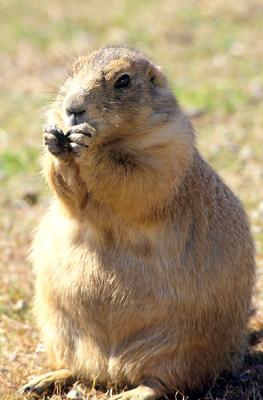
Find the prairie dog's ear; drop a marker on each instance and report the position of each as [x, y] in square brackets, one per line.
[78, 64]
[156, 76]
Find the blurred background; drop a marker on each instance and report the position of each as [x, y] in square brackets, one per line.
[212, 52]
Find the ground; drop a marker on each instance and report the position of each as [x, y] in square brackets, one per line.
[212, 53]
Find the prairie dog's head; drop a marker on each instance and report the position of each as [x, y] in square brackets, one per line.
[116, 89]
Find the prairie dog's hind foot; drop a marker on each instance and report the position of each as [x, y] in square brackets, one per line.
[142, 392]
[43, 383]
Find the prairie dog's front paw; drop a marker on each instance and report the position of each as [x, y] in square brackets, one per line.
[80, 138]
[56, 141]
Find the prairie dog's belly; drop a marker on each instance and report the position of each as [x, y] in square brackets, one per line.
[98, 296]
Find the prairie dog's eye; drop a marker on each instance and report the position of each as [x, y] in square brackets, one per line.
[123, 82]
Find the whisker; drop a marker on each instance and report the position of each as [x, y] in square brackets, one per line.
[112, 112]
[120, 103]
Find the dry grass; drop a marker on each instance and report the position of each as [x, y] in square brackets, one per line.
[213, 54]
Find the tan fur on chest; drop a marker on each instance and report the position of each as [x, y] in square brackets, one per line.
[102, 272]
[107, 291]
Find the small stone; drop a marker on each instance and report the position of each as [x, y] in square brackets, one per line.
[30, 198]
[195, 112]
[233, 147]
[246, 153]
[256, 229]
[260, 207]
[40, 348]
[12, 357]
[73, 394]
[256, 90]
[4, 370]
[246, 376]
[219, 61]
[215, 148]
[254, 214]
[237, 49]
[20, 305]
[258, 212]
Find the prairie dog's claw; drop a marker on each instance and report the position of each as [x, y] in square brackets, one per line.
[55, 140]
[42, 383]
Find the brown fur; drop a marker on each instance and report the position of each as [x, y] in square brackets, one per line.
[144, 261]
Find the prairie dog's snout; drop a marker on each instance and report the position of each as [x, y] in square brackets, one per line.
[75, 107]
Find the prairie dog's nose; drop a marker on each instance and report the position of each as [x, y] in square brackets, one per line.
[75, 117]
[75, 109]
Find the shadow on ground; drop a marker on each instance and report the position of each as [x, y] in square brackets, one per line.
[246, 385]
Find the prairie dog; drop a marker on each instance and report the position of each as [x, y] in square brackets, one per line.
[144, 262]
